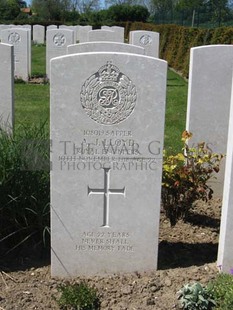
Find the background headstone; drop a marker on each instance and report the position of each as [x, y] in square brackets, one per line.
[104, 47]
[209, 95]
[19, 38]
[82, 33]
[29, 28]
[38, 34]
[74, 28]
[56, 44]
[225, 249]
[6, 87]
[2, 27]
[106, 176]
[51, 27]
[149, 40]
[119, 30]
[103, 35]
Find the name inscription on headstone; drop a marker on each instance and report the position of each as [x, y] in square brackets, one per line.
[117, 150]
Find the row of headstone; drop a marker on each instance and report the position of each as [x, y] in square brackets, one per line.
[39, 31]
[62, 41]
[146, 39]
[58, 41]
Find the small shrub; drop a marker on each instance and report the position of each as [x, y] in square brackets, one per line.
[185, 177]
[78, 296]
[222, 290]
[196, 297]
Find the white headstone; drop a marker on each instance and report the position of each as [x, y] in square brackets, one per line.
[103, 35]
[64, 27]
[209, 96]
[27, 26]
[56, 44]
[82, 33]
[104, 47]
[119, 30]
[2, 27]
[147, 39]
[106, 175]
[225, 249]
[74, 28]
[6, 87]
[51, 27]
[19, 38]
[38, 34]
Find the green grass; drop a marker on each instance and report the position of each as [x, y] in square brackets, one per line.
[38, 60]
[32, 100]
[31, 104]
[177, 89]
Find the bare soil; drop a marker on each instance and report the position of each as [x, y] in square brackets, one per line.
[187, 253]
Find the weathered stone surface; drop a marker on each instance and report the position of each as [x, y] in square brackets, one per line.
[6, 87]
[209, 97]
[56, 44]
[106, 170]
[104, 47]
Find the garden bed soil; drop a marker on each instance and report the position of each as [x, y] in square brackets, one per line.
[187, 253]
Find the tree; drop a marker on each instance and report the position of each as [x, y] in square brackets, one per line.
[9, 9]
[109, 3]
[161, 9]
[219, 9]
[50, 9]
[126, 12]
[85, 6]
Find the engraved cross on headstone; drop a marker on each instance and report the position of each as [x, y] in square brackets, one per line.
[106, 191]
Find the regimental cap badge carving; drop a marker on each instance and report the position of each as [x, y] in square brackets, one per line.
[145, 39]
[14, 38]
[59, 39]
[108, 96]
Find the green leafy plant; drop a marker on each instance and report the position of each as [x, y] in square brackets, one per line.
[196, 297]
[78, 296]
[185, 177]
[222, 290]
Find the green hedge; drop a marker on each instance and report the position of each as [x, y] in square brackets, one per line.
[176, 41]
